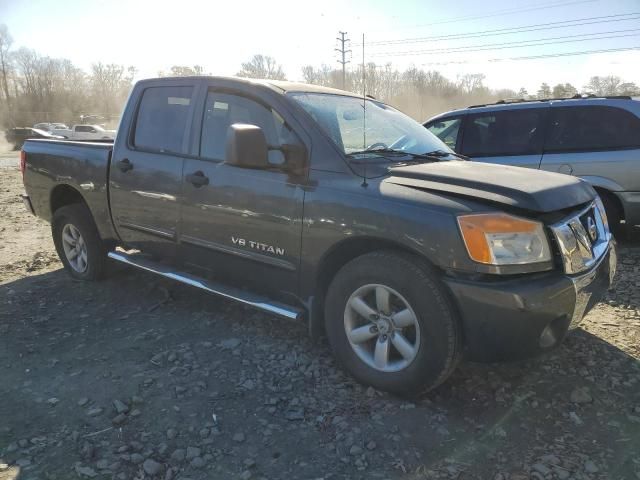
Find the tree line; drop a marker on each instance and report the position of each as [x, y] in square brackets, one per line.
[36, 88]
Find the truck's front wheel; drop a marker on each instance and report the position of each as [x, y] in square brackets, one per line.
[79, 246]
[391, 324]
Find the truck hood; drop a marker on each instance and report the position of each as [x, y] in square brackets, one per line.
[525, 188]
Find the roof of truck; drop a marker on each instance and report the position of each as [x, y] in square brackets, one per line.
[281, 86]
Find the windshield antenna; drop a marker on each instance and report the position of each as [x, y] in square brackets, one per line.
[364, 115]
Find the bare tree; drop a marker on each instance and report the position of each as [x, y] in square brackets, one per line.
[109, 85]
[183, 71]
[608, 85]
[544, 91]
[471, 82]
[5, 65]
[262, 66]
[628, 88]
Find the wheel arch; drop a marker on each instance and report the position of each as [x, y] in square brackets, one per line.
[62, 195]
[338, 256]
[615, 200]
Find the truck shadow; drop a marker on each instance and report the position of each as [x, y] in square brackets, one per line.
[66, 340]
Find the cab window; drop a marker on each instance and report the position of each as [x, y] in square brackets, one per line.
[223, 110]
[162, 119]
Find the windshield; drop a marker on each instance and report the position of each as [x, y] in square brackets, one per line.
[343, 118]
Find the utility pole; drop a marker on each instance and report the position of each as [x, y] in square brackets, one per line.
[343, 55]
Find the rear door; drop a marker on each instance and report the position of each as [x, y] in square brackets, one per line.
[509, 137]
[242, 225]
[146, 169]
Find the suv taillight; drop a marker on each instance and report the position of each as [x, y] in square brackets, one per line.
[23, 162]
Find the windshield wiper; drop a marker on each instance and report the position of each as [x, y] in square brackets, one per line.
[443, 153]
[381, 153]
[378, 151]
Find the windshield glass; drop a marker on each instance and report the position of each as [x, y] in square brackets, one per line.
[343, 118]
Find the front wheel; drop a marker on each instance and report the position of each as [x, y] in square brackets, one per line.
[79, 246]
[391, 324]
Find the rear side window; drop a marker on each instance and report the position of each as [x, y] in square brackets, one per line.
[592, 128]
[512, 132]
[162, 119]
[446, 130]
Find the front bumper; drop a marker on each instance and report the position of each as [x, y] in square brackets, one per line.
[518, 318]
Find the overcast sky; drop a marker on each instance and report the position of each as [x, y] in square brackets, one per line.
[219, 35]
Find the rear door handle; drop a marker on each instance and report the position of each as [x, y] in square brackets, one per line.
[125, 165]
[197, 179]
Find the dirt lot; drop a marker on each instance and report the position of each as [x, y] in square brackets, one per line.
[135, 377]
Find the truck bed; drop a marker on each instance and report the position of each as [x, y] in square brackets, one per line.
[54, 165]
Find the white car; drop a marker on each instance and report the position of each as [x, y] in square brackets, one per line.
[86, 132]
[49, 127]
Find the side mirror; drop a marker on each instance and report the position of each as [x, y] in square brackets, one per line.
[246, 146]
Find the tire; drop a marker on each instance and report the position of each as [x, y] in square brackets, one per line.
[429, 324]
[74, 223]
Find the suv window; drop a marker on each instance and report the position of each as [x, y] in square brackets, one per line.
[223, 110]
[162, 118]
[510, 132]
[83, 128]
[592, 128]
[446, 130]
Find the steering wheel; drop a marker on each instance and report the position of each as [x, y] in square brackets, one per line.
[376, 145]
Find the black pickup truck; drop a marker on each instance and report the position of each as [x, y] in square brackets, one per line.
[317, 205]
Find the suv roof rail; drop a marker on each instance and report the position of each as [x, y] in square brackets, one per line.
[577, 96]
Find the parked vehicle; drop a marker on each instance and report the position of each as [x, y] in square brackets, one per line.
[594, 138]
[47, 127]
[266, 192]
[86, 132]
[17, 136]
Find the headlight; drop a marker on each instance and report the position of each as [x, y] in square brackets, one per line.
[501, 239]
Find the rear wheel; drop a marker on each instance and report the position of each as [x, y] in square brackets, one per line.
[391, 324]
[79, 246]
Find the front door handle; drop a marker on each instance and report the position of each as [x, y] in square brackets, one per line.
[197, 179]
[125, 165]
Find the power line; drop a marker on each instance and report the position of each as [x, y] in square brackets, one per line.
[567, 54]
[343, 52]
[536, 57]
[516, 44]
[508, 11]
[514, 30]
[498, 13]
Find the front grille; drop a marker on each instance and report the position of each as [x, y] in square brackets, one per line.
[582, 239]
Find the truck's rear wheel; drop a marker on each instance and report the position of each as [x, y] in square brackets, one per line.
[391, 324]
[79, 246]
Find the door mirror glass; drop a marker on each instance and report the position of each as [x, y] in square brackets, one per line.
[246, 146]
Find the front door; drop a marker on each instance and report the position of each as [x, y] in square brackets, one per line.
[242, 225]
[146, 173]
[509, 137]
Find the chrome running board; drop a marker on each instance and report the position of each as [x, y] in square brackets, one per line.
[256, 301]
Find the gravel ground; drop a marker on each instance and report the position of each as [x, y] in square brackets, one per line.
[135, 377]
